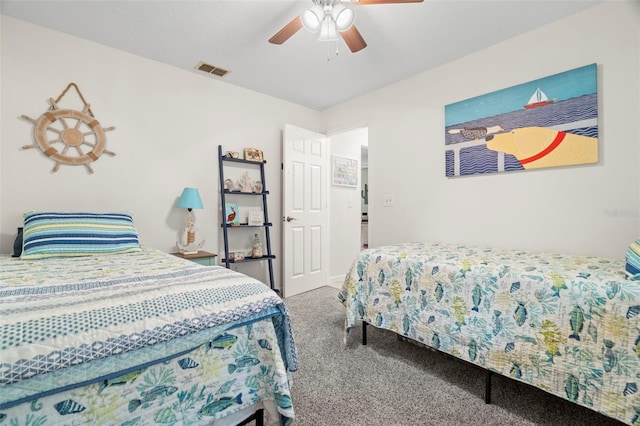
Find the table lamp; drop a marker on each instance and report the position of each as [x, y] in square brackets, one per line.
[190, 199]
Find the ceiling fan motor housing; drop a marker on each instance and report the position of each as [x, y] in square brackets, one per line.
[333, 19]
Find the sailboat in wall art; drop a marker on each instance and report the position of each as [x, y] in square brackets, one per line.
[520, 128]
[538, 99]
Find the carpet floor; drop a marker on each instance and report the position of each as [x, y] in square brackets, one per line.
[394, 382]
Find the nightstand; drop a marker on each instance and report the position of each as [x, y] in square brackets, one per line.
[202, 257]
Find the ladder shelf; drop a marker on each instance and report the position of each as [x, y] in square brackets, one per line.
[226, 226]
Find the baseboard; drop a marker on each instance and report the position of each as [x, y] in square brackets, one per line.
[336, 281]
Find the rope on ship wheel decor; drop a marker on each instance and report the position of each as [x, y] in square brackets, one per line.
[71, 131]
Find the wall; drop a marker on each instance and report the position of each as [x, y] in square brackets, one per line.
[169, 123]
[344, 207]
[591, 209]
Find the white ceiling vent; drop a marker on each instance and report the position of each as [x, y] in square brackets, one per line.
[211, 69]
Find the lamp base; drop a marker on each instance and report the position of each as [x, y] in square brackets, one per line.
[188, 236]
[190, 248]
[185, 252]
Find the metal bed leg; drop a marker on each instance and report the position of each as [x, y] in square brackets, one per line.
[487, 388]
[257, 416]
[364, 333]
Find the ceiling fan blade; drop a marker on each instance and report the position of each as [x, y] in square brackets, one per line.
[354, 39]
[385, 1]
[287, 31]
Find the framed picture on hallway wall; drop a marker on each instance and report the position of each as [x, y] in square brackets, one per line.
[344, 171]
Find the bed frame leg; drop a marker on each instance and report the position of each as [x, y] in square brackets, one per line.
[364, 333]
[487, 388]
[257, 416]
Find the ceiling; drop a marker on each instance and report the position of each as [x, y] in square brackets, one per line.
[403, 39]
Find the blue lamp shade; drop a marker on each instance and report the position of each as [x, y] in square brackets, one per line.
[190, 199]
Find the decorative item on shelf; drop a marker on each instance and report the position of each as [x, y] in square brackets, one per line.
[256, 248]
[232, 154]
[190, 199]
[245, 183]
[256, 218]
[257, 186]
[228, 184]
[236, 256]
[232, 212]
[72, 129]
[253, 154]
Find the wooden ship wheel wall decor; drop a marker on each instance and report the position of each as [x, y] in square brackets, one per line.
[69, 130]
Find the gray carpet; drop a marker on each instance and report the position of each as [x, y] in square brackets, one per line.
[392, 382]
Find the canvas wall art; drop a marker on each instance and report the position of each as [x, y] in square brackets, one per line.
[345, 171]
[549, 122]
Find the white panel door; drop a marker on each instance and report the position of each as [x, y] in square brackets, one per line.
[305, 214]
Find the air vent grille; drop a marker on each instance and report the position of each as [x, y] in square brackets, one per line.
[211, 69]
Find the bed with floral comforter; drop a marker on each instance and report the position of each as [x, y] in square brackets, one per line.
[141, 338]
[569, 325]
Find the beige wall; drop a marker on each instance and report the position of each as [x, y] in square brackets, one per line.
[169, 123]
[591, 209]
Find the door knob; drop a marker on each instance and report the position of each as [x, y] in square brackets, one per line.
[290, 219]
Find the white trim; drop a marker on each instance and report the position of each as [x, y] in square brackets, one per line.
[336, 281]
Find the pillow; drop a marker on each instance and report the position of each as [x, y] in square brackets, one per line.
[633, 260]
[55, 234]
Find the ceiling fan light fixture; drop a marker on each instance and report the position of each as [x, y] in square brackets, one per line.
[312, 18]
[328, 30]
[343, 17]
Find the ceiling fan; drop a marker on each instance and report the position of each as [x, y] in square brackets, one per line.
[330, 18]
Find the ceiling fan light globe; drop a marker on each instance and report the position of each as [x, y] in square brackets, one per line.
[312, 18]
[343, 17]
[328, 30]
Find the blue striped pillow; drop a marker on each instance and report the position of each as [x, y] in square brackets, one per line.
[55, 234]
[633, 260]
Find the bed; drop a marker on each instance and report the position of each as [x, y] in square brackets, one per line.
[569, 325]
[123, 334]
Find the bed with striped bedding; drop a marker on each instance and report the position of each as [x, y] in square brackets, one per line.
[139, 337]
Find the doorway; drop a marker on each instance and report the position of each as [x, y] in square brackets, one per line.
[334, 253]
[364, 195]
[346, 204]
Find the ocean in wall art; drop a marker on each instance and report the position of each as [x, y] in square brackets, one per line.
[549, 122]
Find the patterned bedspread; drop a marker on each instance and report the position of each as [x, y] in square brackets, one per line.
[69, 323]
[566, 324]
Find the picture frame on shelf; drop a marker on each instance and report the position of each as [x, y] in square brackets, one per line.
[253, 154]
[256, 218]
[232, 214]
